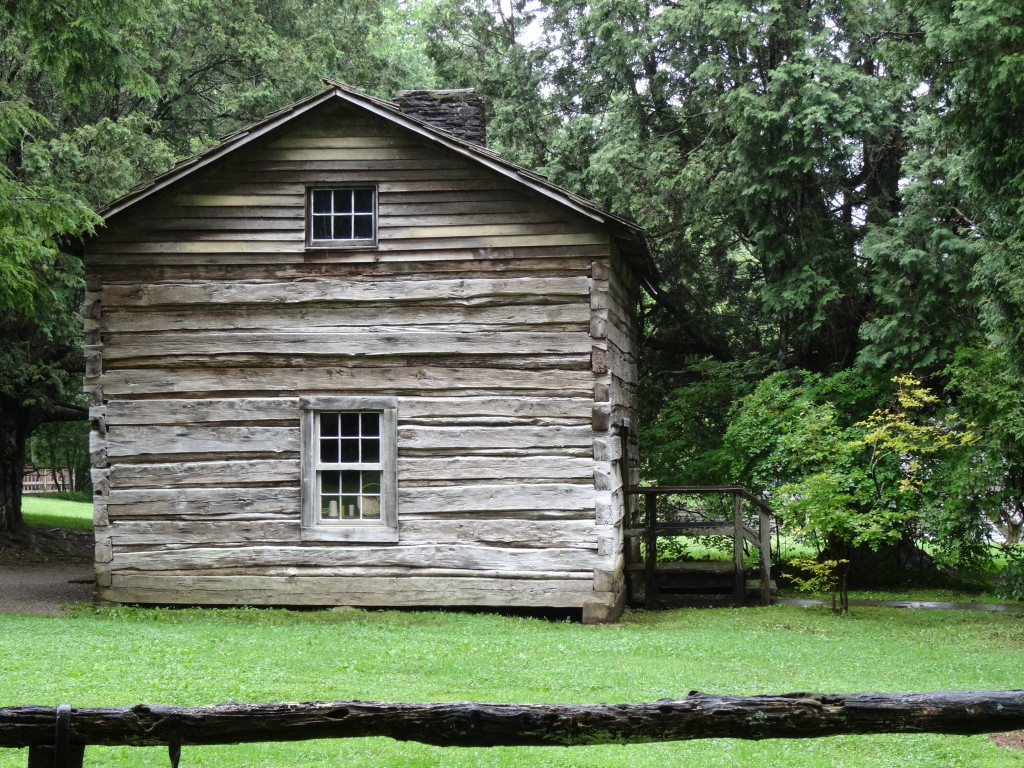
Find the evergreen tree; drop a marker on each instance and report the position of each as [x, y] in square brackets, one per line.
[830, 186]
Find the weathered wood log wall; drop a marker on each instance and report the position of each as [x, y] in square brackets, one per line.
[502, 322]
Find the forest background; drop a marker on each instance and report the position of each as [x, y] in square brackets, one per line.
[833, 192]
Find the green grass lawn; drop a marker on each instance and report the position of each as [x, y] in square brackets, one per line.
[108, 657]
[54, 512]
[190, 657]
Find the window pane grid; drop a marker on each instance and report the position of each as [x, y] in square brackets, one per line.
[342, 214]
[352, 494]
[349, 472]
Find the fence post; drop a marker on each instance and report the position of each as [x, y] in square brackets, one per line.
[740, 581]
[62, 753]
[625, 475]
[651, 547]
[45, 756]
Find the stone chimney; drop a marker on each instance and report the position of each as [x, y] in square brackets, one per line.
[459, 111]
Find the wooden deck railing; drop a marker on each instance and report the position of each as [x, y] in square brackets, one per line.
[652, 529]
[65, 731]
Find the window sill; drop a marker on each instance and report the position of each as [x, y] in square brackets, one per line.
[350, 254]
[341, 245]
[370, 534]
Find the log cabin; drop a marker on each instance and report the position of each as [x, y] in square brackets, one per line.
[350, 357]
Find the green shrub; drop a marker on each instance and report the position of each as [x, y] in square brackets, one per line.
[1011, 581]
[823, 576]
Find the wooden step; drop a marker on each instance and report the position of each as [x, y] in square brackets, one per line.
[695, 566]
[692, 529]
[704, 600]
[754, 587]
[693, 590]
[696, 583]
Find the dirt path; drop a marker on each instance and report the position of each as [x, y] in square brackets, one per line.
[43, 588]
[53, 569]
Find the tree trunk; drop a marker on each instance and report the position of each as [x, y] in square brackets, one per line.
[14, 431]
[469, 724]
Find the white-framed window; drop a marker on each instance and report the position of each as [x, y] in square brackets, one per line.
[349, 468]
[340, 217]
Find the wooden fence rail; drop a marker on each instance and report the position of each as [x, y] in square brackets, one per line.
[470, 724]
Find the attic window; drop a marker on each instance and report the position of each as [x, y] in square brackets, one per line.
[342, 217]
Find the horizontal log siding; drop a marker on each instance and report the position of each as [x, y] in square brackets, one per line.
[540, 590]
[207, 318]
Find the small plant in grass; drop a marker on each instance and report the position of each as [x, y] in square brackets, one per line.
[823, 576]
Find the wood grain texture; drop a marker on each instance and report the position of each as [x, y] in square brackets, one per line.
[505, 469]
[386, 342]
[414, 380]
[497, 364]
[512, 316]
[413, 471]
[135, 441]
[484, 589]
[234, 504]
[312, 291]
[460, 556]
[473, 724]
[210, 473]
[247, 502]
[277, 244]
[419, 411]
[470, 438]
[187, 412]
[506, 263]
[509, 532]
[498, 498]
[324, 262]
